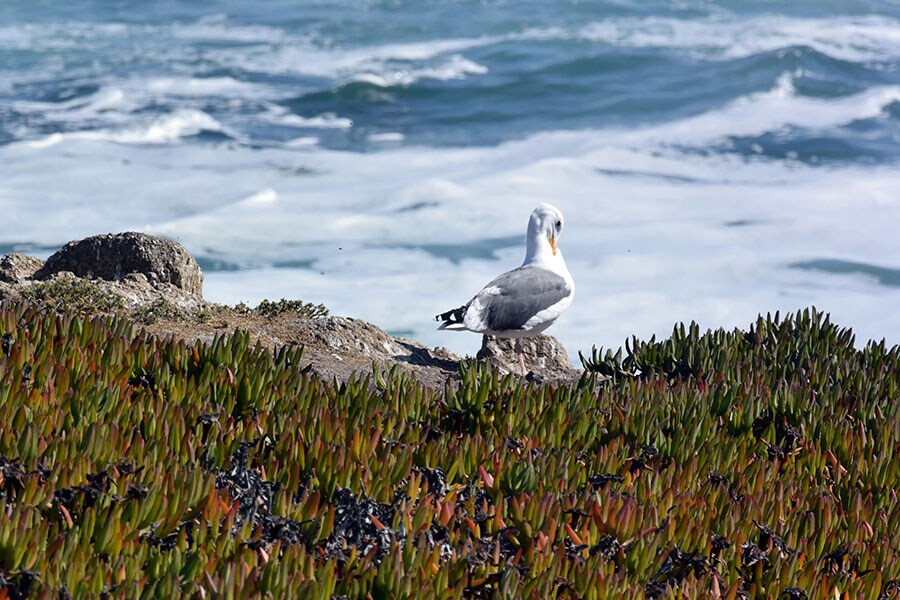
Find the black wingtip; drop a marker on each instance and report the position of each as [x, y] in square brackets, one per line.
[452, 316]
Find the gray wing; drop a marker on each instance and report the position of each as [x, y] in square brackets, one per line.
[521, 294]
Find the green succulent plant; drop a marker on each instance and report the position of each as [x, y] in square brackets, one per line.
[743, 464]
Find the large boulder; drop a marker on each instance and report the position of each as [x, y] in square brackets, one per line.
[115, 255]
[18, 267]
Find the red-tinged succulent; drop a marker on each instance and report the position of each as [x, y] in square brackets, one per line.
[744, 464]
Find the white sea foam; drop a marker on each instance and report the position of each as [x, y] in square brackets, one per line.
[106, 100]
[118, 111]
[14, 38]
[454, 67]
[387, 136]
[80, 34]
[281, 116]
[218, 28]
[379, 228]
[728, 36]
[263, 197]
[305, 141]
[303, 57]
[203, 86]
[159, 130]
[63, 35]
[721, 36]
[657, 231]
[775, 109]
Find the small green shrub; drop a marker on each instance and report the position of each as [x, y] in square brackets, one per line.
[270, 309]
[78, 295]
[152, 313]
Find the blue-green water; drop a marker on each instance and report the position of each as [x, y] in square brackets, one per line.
[714, 160]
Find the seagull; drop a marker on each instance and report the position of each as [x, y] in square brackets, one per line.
[527, 300]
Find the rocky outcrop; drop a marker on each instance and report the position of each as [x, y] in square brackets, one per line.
[158, 284]
[113, 256]
[18, 267]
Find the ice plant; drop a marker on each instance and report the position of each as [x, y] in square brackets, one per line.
[732, 464]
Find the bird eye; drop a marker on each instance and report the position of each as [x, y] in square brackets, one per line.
[558, 224]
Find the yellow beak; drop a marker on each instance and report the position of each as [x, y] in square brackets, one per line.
[553, 244]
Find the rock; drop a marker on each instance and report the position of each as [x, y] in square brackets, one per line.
[157, 284]
[114, 256]
[18, 267]
[543, 354]
[356, 340]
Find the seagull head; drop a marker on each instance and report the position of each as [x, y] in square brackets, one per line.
[544, 228]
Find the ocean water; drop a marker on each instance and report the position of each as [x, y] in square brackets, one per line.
[714, 160]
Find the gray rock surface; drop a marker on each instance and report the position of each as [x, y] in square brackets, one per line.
[543, 354]
[18, 267]
[113, 256]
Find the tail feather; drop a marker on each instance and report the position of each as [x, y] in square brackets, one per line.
[453, 319]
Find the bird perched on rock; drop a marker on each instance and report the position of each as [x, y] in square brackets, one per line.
[527, 300]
